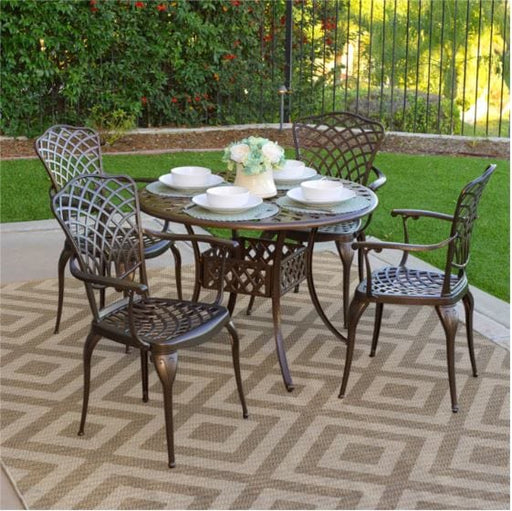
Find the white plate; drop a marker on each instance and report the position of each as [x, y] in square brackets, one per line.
[307, 173]
[213, 180]
[296, 195]
[202, 201]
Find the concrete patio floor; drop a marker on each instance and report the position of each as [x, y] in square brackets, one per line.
[30, 250]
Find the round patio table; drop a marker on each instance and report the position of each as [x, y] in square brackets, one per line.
[270, 265]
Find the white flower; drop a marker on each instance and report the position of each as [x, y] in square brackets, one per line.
[272, 152]
[240, 152]
[254, 154]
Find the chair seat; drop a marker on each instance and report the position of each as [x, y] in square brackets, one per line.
[165, 322]
[346, 230]
[395, 282]
[153, 247]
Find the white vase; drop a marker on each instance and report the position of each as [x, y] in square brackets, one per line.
[261, 185]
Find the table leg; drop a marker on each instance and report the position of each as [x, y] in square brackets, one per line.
[197, 265]
[312, 290]
[231, 303]
[276, 312]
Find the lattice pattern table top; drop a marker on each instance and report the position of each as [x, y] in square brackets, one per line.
[173, 209]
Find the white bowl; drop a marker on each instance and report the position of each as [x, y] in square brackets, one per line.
[190, 176]
[227, 196]
[290, 169]
[322, 190]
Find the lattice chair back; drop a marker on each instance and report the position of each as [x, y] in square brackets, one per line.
[101, 219]
[68, 152]
[339, 144]
[462, 225]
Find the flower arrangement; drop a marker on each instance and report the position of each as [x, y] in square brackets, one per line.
[255, 154]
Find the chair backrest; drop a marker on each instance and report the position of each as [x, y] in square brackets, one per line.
[463, 223]
[69, 151]
[100, 216]
[338, 144]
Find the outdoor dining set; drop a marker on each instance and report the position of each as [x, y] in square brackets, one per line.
[327, 193]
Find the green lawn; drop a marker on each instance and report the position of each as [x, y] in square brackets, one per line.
[421, 182]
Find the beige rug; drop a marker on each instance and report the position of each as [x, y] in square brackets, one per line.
[392, 443]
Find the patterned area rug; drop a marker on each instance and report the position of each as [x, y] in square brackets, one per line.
[392, 443]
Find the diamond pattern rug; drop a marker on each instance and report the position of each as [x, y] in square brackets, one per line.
[392, 443]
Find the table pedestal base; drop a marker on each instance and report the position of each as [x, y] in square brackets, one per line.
[267, 268]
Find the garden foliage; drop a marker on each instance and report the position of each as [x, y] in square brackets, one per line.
[114, 64]
[167, 62]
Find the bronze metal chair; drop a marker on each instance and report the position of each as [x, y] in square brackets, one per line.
[67, 152]
[341, 145]
[408, 286]
[101, 219]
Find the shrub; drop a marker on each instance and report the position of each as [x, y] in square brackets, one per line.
[163, 62]
[421, 114]
[111, 124]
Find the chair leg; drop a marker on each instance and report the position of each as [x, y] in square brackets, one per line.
[102, 298]
[90, 344]
[346, 255]
[376, 328]
[357, 307]
[177, 270]
[360, 257]
[63, 259]
[450, 319]
[248, 312]
[469, 305]
[235, 351]
[144, 373]
[166, 365]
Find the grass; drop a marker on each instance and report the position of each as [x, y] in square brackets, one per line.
[414, 181]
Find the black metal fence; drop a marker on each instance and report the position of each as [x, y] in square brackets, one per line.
[421, 66]
[425, 66]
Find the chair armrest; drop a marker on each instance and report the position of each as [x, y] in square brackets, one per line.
[144, 179]
[417, 213]
[378, 246]
[197, 238]
[380, 181]
[405, 214]
[119, 284]
[136, 179]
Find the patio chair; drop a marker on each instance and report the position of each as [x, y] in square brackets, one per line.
[100, 217]
[67, 152]
[341, 145]
[403, 285]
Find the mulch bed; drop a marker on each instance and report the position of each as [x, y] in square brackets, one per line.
[198, 139]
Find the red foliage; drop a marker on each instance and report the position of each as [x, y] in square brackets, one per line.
[329, 23]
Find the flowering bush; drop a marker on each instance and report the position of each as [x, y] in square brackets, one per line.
[255, 154]
[165, 62]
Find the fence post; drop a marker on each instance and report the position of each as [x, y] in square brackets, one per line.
[288, 59]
